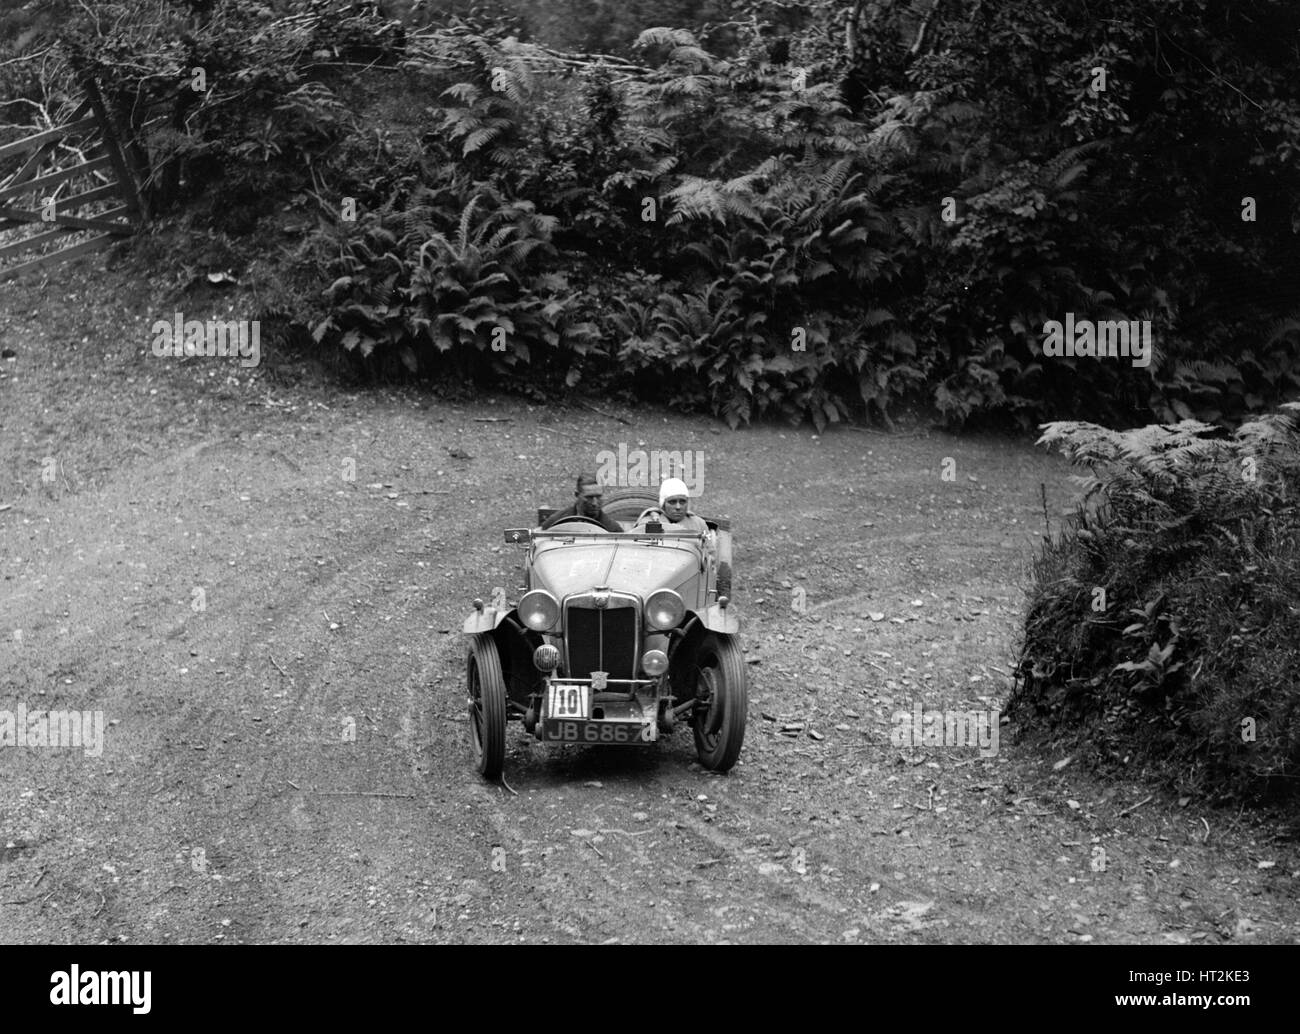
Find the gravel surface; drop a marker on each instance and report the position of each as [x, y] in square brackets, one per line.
[275, 648]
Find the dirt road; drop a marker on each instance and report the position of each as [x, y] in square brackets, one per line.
[261, 584]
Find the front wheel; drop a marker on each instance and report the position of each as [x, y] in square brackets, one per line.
[487, 705]
[721, 702]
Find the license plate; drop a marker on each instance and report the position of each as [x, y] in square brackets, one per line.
[568, 700]
[561, 731]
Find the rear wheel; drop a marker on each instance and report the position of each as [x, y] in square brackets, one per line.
[487, 705]
[722, 702]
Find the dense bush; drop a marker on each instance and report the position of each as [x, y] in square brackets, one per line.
[1163, 625]
[1124, 201]
[836, 203]
[413, 284]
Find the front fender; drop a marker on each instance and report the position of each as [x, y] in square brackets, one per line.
[485, 620]
[719, 619]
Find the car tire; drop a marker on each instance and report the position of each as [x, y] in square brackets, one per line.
[486, 688]
[626, 504]
[719, 727]
[724, 580]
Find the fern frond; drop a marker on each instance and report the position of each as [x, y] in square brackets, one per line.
[1282, 329]
[956, 112]
[516, 253]
[484, 135]
[466, 92]
[1201, 371]
[663, 36]
[917, 224]
[1272, 432]
[838, 178]
[663, 166]
[462, 232]
[691, 55]
[1062, 170]
[692, 85]
[696, 198]
[892, 135]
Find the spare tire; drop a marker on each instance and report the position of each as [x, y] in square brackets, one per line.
[627, 504]
[724, 580]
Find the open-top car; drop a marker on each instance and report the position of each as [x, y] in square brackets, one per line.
[616, 638]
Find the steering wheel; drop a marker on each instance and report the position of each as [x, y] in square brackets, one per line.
[585, 520]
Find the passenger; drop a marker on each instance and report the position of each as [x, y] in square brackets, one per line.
[674, 498]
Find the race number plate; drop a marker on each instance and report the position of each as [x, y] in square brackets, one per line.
[568, 700]
[561, 731]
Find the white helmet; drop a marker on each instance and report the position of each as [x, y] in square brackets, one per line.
[671, 488]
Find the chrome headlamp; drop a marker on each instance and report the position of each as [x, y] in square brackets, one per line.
[539, 610]
[664, 609]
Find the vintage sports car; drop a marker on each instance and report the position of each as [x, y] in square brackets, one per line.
[615, 639]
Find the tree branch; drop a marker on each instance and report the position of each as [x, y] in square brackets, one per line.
[925, 24]
[26, 57]
[851, 31]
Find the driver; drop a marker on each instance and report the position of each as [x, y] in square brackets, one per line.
[674, 497]
[586, 504]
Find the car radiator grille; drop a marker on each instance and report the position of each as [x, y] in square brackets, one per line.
[601, 640]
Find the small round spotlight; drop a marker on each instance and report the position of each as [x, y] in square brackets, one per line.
[654, 662]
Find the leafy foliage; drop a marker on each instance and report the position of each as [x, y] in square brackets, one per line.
[410, 285]
[1163, 621]
[841, 203]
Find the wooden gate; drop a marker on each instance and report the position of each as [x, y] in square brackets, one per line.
[29, 196]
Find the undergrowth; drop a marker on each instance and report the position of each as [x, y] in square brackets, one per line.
[1163, 624]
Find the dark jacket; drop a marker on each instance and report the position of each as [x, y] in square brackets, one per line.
[608, 523]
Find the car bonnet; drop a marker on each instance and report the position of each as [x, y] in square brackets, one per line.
[624, 566]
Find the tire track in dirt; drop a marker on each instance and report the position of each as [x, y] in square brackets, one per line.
[597, 844]
[208, 817]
